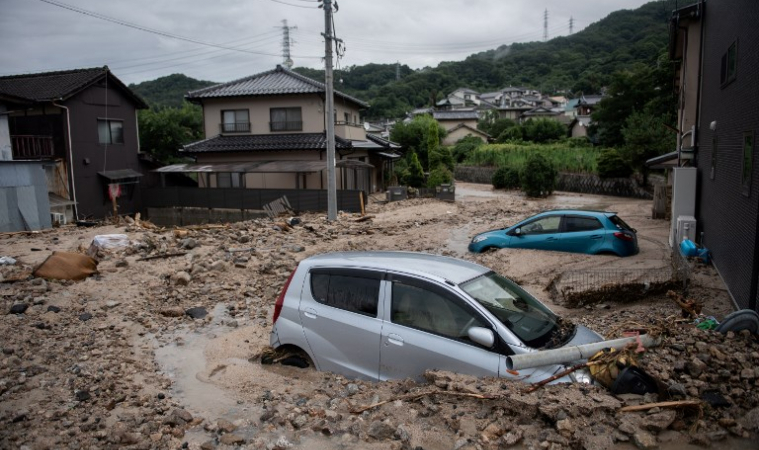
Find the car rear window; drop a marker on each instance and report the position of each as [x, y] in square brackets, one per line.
[574, 224]
[621, 224]
[351, 293]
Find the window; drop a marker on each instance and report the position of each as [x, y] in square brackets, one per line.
[235, 121]
[347, 117]
[110, 131]
[548, 224]
[748, 162]
[227, 180]
[286, 119]
[729, 66]
[345, 291]
[427, 310]
[575, 224]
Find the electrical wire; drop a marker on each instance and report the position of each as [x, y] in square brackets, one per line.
[159, 32]
[297, 6]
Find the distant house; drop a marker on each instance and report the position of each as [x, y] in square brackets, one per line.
[451, 119]
[460, 98]
[587, 103]
[461, 131]
[578, 127]
[717, 137]
[267, 131]
[83, 125]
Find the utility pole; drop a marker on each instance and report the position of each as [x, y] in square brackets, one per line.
[286, 44]
[571, 25]
[329, 108]
[545, 25]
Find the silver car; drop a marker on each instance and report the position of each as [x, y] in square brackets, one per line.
[382, 315]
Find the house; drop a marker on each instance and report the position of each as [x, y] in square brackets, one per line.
[267, 131]
[83, 125]
[463, 130]
[716, 159]
[578, 127]
[460, 98]
[451, 119]
[587, 103]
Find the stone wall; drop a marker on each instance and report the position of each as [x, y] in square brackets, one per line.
[571, 182]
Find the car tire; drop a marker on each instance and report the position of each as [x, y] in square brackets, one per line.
[745, 319]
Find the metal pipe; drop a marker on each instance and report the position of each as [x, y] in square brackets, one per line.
[71, 160]
[574, 353]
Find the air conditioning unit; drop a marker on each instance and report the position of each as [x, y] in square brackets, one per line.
[686, 228]
[58, 217]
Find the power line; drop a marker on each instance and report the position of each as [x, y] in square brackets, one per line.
[157, 32]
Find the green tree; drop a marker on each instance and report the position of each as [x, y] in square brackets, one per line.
[414, 176]
[543, 130]
[465, 146]
[164, 131]
[414, 135]
[611, 164]
[433, 143]
[645, 137]
[438, 176]
[538, 176]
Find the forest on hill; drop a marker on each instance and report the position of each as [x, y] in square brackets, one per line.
[583, 62]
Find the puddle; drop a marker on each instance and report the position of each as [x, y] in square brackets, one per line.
[183, 360]
[458, 242]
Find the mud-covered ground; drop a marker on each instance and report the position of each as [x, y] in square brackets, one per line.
[116, 361]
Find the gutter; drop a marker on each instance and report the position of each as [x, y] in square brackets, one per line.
[71, 159]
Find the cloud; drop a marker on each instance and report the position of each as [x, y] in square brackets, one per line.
[38, 36]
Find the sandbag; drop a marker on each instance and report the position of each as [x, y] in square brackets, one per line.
[66, 266]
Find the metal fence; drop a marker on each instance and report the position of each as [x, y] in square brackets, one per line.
[302, 200]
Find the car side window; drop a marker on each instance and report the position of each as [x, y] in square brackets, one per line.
[423, 309]
[548, 224]
[575, 224]
[351, 293]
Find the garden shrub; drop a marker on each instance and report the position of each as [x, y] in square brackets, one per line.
[612, 165]
[506, 178]
[439, 176]
[538, 176]
[414, 176]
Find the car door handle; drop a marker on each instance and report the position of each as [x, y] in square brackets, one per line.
[310, 313]
[394, 339]
[596, 236]
[551, 239]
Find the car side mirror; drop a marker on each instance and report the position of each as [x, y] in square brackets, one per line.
[482, 336]
[515, 232]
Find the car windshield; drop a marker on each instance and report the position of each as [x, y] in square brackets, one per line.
[519, 311]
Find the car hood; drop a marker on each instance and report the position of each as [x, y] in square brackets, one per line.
[583, 335]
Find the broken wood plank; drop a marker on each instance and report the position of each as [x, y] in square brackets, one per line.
[364, 218]
[674, 404]
[163, 255]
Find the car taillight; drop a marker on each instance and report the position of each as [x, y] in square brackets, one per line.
[623, 236]
[281, 298]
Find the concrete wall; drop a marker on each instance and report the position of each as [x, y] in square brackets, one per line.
[24, 204]
[166, 217]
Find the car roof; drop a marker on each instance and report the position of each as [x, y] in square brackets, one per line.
[420, 264]
[587, 212]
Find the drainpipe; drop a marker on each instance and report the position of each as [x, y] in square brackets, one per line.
[71, 159]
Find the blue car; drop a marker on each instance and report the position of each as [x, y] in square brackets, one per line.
[593, 232]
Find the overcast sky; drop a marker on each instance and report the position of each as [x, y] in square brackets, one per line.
[44, 35]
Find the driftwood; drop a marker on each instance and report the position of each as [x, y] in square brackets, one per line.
[364, 218]
[423, 394]
[161, 256]
[563, 373]
[677, 404]
[204, 227]
[691, 308]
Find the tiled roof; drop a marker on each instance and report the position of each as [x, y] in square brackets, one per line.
[455, 115]
[383, 142]
[265, 142]
[52, 86]
[279, 81]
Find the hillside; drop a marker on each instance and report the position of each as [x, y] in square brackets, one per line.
[168, 91]
[582, 62]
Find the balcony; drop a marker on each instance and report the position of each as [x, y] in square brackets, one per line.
[32, 147]
[236, 127]
[350, 130]
[292, 125]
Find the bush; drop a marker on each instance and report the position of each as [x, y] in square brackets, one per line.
[510, 135]
[611, 165]
[465, 146]
[506, 178]
[441, 157]
[538, 176]
[439, 176]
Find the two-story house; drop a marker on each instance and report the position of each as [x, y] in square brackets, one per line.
[83, 125]
[715, 44]
[267, 131]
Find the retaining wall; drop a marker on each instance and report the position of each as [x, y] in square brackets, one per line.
[570, 182]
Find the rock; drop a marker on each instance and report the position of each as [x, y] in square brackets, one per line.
[297, 248]
[750, 421]
[644, 440]
[179, 417]
[565, 425]
[208, 445]
[111, 304]
[218, 266]
[660, 421]
[747, 374]
[695, 367]
[381, 430]
[85, 317]
[402, 433]
[82, 396]
[677, 390]
[18, 308]
[197, 312]
[188, 243]
[175, 311]
[231, 439]
[54, 309]
[300, 421]
[122, 263]
[181, 278]
[352, 389]
[225, 426]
